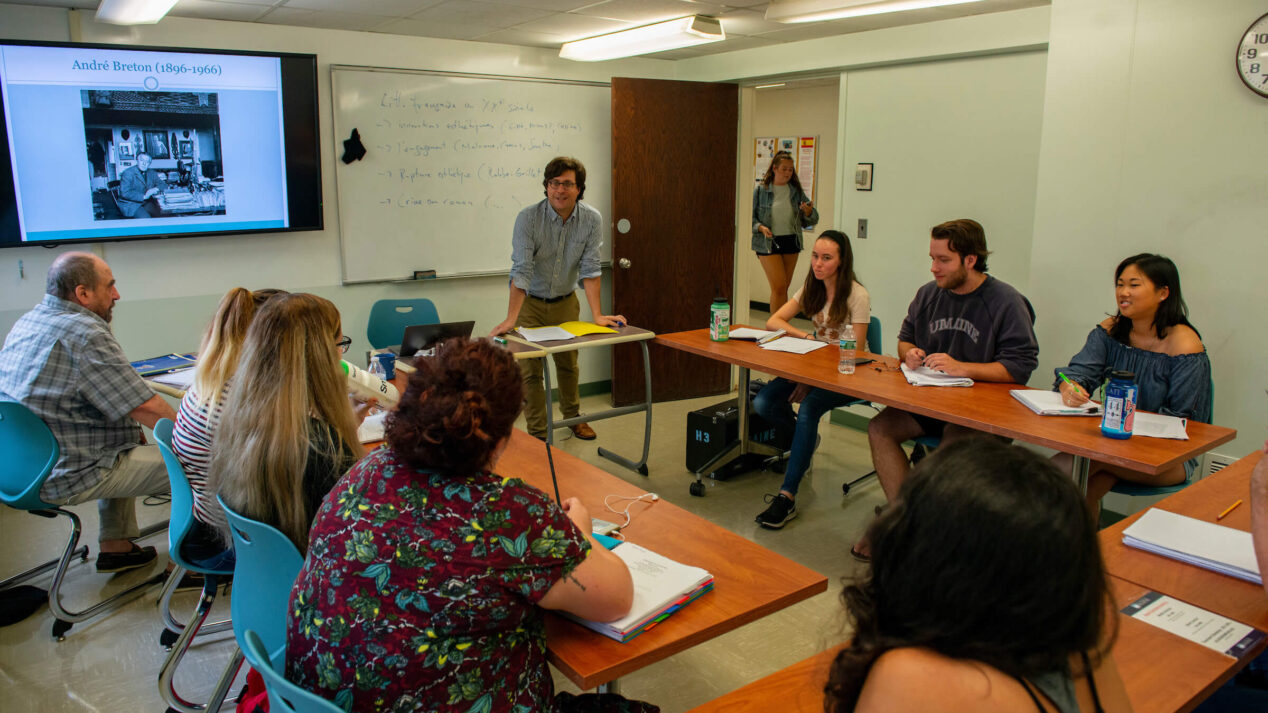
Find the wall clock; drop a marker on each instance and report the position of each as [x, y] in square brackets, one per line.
[1252, 64]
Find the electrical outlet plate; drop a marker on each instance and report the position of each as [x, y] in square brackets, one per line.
[862, 231]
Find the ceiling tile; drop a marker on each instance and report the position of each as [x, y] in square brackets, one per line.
[515, 36]
[574, 27]
[484, 14]
[382, 8]
[324, 20]
[552, 5]
[443, 30]
[645, 12]
[69, 4]
[748, 22]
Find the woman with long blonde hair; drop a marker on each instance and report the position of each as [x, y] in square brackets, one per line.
[288, 431]
[199, 415]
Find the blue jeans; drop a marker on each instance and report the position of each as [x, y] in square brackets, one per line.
[772, 403]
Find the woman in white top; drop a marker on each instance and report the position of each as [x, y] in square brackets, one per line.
[833, 298]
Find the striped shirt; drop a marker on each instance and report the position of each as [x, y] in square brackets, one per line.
[191, 440]
[61, 361]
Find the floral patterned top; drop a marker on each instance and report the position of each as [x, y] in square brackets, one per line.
[419, 592]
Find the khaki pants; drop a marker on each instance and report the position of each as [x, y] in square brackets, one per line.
[536, 313]
[137, 471]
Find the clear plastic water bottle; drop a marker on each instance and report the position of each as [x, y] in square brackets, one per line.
[845, 363]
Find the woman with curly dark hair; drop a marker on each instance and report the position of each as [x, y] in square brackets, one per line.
[426, 572]
[986, 594]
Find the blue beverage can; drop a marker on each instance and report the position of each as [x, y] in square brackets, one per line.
[1120, 405]
[388, 361]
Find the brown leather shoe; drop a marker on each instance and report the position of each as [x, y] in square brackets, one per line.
[584, 432]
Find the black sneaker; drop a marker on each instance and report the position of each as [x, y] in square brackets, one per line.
[124, 561]
[781, 510]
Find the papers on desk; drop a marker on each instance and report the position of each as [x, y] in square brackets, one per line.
[1205, 544]
[537, 335]
[1200, 626]
[182, 379]
[372, 428]
[661, 587]
[794, 345]
[1049, 403]
[567, 330]
[749, 334]
[1156, 425]
[924, 376]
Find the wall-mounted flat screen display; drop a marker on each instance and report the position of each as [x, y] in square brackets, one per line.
[108, 142]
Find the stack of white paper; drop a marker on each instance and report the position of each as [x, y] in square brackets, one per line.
[545, 334]
[794, 345]
[748, 333]
[182, 379]
[1205, 544]
[1156, 425]
[924, 376]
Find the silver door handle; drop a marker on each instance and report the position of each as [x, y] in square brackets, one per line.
[624, 263]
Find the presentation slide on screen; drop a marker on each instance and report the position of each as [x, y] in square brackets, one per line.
[107, 143]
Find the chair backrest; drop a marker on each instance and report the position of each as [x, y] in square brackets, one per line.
[284, 696]
[875, 344]
[389, 318]
[181, 519]
[29, 453]
[267, 564]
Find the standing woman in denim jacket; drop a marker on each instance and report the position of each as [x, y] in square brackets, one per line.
[781, 210]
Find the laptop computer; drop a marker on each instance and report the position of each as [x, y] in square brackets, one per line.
[426, 336]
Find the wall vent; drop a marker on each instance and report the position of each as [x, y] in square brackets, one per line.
[1215, 462]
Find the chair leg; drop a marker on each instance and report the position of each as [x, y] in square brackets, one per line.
[173, 628]
[167, 674]
[64, 619]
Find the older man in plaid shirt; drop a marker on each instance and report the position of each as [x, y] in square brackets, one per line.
[62, 362]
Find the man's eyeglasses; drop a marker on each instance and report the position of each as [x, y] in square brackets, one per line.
[567, 185]
[343, 344]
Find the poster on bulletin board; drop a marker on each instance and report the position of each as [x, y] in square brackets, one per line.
[804, 150]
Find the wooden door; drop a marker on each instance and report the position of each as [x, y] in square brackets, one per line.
[673, 179]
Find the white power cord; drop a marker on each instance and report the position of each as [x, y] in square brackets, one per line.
[645, 497]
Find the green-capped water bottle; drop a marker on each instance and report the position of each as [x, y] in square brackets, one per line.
[719, 319]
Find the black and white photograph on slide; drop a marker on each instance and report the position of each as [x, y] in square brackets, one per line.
[153, 154]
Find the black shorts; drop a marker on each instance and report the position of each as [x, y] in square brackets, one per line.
[932, 427]
[783, 245]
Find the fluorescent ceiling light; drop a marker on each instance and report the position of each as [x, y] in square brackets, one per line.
[668, 35]
[769, 86]
[133, 12]
[819, 10]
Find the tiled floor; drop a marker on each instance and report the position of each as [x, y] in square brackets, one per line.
[111, 663]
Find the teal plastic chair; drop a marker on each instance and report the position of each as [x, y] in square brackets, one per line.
[30, 452]
[1126, 487]
[268, 563]
[284, 696]
[176, 637]
[924, 444]
[389, 318]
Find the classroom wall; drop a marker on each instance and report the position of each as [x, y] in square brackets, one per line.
[948, 139]
[1150, 142]
[793, 111]
[170, 288]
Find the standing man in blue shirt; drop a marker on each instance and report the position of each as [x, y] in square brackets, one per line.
[62, 362]
[554, 248]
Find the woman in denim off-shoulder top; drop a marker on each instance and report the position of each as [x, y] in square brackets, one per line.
[1151, 337]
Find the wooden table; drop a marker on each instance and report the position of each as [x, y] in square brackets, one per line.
[750, 581]
[1204, 500]
[986, 407]
[623, 334]
[1162, 673]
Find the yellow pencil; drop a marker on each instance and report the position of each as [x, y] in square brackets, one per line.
[1230, 508]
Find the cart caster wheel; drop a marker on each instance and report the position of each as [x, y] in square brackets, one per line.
[845, 488]
[167, 638]
[697, 489]
[642, 469]
[60, 628]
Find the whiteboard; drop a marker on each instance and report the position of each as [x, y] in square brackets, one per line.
[451, 159]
